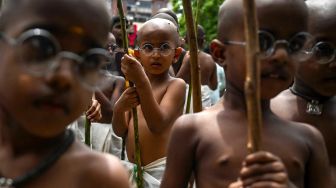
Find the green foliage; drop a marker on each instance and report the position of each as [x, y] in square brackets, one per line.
[207, 15]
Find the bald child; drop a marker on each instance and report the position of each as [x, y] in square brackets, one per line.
[51, 59]
[312, 99]
[212, 144]
[158, 97]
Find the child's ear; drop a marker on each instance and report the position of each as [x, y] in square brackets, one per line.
[178, 52]
[137, 53]
[217, 50]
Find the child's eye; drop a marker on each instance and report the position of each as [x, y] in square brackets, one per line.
[165, 47]
[147, 47]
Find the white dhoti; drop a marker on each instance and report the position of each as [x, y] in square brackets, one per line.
[102, 137]
[207, 97]
[152, 173]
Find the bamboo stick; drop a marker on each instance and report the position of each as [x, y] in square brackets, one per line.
[195, 68]
[139, 174]
[252, 81]
[87, 132]
[87, 128]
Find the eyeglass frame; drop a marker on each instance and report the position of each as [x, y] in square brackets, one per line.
[270, 51]
[159, 50]
[52, 62]
[313, 50]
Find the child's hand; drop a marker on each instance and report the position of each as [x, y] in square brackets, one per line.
[263, 169]
[132, 69]
[94, 112]
[129, 99]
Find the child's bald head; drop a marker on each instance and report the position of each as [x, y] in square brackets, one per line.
[156, 25]
[231, 14]
[82, 10]
[321, 14]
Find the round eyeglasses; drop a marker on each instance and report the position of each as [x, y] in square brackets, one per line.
[267, 44]
[164, 49]
[322, 52]
[40, 53]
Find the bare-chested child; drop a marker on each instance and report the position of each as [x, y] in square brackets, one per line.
[212, 144]
[51, 54]
[116, 85]
[161, 97]
[208, 70]
[312, 98]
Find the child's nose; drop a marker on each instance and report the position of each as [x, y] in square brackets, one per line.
[156, 52]
[62, 76]
[280, 54]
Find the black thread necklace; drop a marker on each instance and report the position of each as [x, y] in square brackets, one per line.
[43, 166]
[314, 105]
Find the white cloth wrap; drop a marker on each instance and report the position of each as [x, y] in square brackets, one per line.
[152, 173]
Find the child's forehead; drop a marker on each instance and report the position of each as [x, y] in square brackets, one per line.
[58, 17]
[154, 31]
[271, 17]
[322, 17]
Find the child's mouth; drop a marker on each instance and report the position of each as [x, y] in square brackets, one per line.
[156, 64]
[52, 106]
[279, 75]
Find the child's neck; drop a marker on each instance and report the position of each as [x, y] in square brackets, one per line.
[20, 141]
[234, 99]
[158, 78]
[302, 90]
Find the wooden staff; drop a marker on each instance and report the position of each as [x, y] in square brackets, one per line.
[252, 81]
[139, 174]
[195, 68]
[87, 128]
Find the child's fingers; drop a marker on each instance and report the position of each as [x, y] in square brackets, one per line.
[93, 107]
[278, 178]
[266, 184]
[260, 157]
[96, 114]
[237, 184]
[259, 169]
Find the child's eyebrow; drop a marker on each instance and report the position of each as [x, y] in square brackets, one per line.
[61, 32]
[48, 27]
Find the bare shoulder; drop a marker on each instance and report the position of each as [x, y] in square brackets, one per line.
[97, 169]
[177, 82]
[311, 135]
[190, 124]
[284, 104]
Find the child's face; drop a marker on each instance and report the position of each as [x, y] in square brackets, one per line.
[278, 68]
[157, 50]
[44, 105]
[319, 71]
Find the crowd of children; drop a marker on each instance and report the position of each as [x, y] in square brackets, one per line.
[62, 59]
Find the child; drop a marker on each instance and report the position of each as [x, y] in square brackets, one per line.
[118, 51]
[208, 70]
[211, 144]
[44, 86]
[315, 80]
[161, 97]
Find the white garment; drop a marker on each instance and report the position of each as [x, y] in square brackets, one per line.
[207, 97]
[152, 173]
[103, 138]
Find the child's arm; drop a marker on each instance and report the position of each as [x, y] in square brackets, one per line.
[180, 153]
[318, 173]
[128, 100]
[158, 116]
